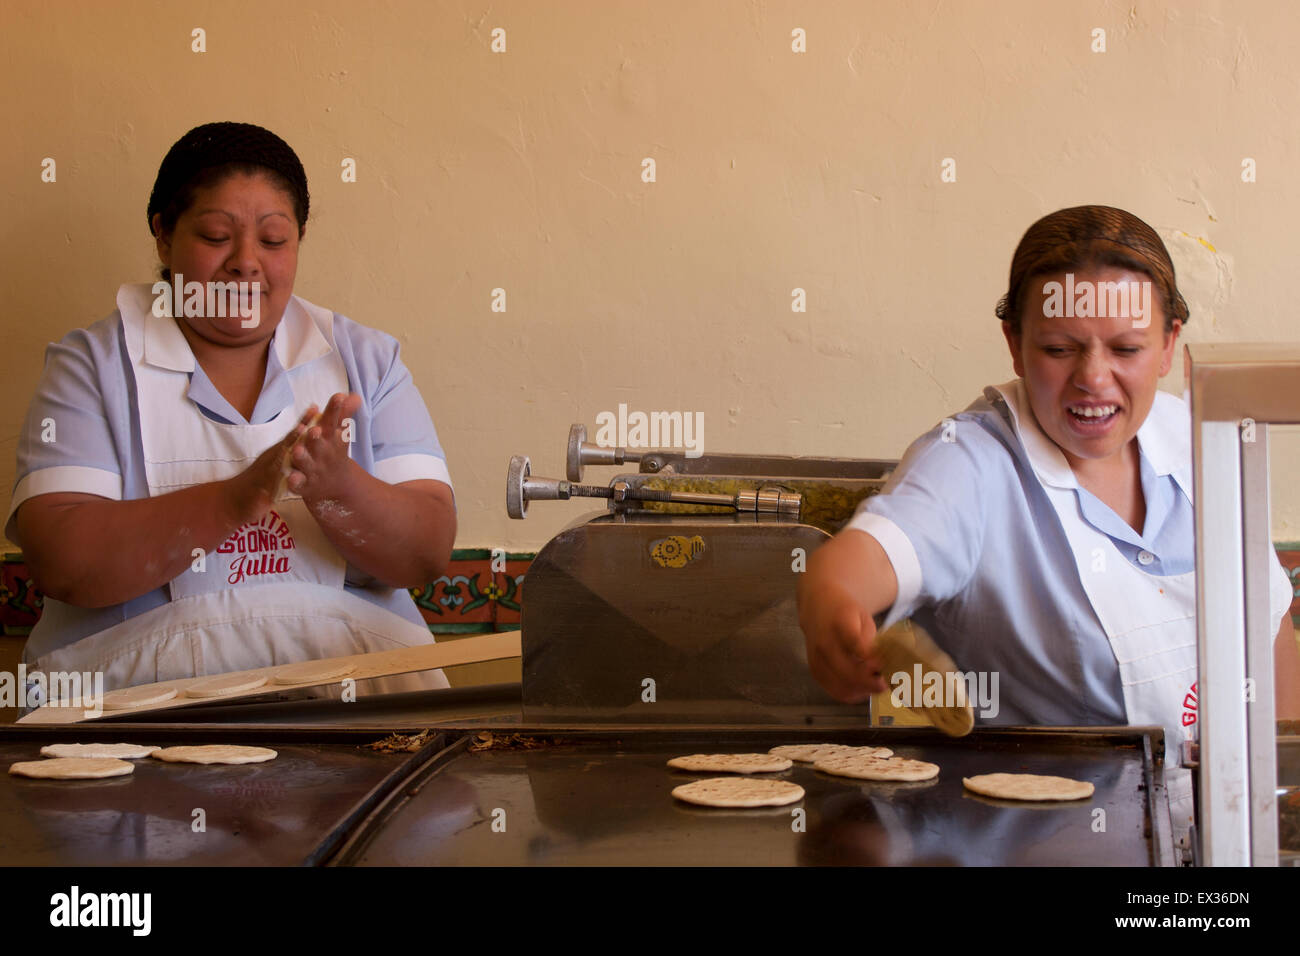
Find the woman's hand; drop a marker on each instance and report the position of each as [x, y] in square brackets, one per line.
[319, 460]
[398, 535]
[252, 492]
[849, 579]
[840, 638]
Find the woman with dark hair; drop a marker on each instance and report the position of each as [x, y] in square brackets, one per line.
[221, 475]
[1045, 534]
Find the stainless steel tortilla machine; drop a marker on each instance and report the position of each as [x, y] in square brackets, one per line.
[677, 602]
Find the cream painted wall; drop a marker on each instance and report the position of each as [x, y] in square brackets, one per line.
[775, 170]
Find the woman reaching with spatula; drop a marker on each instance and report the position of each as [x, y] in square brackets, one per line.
[1045, 533]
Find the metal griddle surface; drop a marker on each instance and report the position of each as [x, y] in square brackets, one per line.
[287, 811]
[602, 798]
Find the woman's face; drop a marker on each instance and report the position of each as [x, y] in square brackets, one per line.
[1091, 380]
[240, 230]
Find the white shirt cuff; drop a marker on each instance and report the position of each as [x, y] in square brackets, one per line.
[898, 548]
[413, 468]
[66, 478]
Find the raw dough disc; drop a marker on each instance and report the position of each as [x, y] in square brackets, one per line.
[144, 696]
[731, 763]
[739, 792]
[224, 685]
[215, 753]
[118, 751]
[881, 752]
[1027, 786]
[311, 672]
[72, 768]
[876, 768]
[286, 467]
[811, 753]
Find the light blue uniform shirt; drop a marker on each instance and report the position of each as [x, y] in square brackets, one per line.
[984, 564]
[87, 390]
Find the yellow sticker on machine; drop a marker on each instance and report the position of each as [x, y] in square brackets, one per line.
[676, 550]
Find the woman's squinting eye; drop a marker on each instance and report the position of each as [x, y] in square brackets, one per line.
[217, 239]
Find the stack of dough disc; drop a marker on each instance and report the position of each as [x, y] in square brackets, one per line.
[82, 761]
[736, 791]
[1027, 786]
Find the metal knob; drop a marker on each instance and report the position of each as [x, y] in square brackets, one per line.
[516, 475]
[581, 453]
[522, 487]
[573, 457]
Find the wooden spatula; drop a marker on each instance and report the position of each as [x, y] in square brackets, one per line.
[902, 652]
[402, 660]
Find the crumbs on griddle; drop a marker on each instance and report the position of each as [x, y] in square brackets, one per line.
[400, 743]
[486, 740]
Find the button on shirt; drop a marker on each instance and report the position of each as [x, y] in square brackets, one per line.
[984, 564]
[87, 395]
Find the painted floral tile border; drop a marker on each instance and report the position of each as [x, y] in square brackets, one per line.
[470, 598]
[473, 597]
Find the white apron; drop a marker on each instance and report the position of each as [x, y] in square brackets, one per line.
[1149, 620]
[271, 593]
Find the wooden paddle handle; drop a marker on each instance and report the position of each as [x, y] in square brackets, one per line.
[401, 660]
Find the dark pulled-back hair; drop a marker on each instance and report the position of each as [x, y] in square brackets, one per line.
[207, 154]
[1091, 237]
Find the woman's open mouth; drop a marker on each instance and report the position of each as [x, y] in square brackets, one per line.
[1091, 419]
